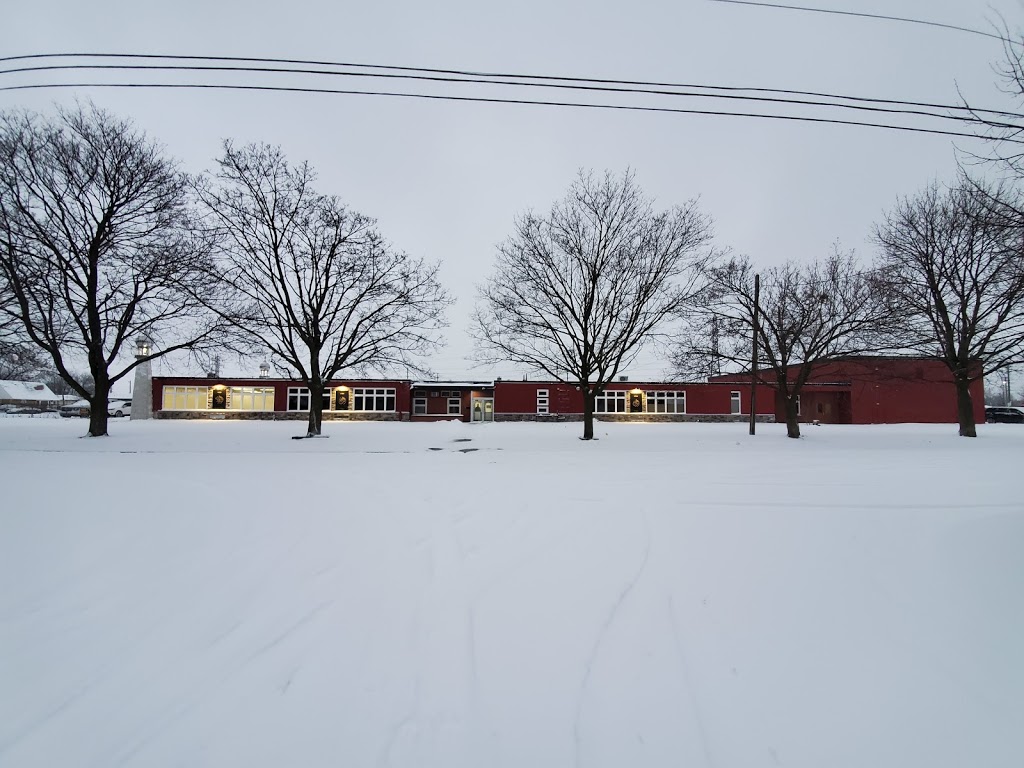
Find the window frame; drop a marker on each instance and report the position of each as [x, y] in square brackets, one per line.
[185, 390]
[302, 393]
[735, 403]
[658, 400]
[387, 394]
[617, 396]
[237, 397]
[543, 402]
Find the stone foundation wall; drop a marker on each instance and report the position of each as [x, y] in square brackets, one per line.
[538, 417]
[655, 418]
[646, 418]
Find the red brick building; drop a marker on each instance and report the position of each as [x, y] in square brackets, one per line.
[863, 390]
[876, 390]
[626, 401]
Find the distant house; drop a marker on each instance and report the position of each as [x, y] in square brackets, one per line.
[27, 393]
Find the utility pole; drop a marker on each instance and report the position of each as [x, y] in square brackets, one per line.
[753, 357]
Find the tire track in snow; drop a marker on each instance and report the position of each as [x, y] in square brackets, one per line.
[603, 633]
[688, 683]
[201, 693]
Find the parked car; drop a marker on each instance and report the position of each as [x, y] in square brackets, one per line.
[115, 407]
[119, 408]
[75, 409]
[1005, 414]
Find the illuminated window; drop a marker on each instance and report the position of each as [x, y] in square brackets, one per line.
[251, 399]
[186, 398]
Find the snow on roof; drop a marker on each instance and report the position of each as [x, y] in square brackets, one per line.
[25, 390]
[443, 384]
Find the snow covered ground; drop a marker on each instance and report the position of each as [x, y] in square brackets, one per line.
[215, 594]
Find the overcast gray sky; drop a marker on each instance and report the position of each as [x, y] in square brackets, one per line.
[446, 179]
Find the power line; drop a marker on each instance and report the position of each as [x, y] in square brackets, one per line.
[495, 100]
[967, 118]
[867, 16]
[528, 77]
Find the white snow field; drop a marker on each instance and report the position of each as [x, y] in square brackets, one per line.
[216, 594]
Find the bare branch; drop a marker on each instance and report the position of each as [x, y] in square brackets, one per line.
[96, 246]
[311, 280]
[577, 293]
[952, 271]
[809, 313]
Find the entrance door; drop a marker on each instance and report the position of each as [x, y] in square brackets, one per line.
[482, 409]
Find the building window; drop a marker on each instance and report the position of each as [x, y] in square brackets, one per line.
[419, 406]
[368, 399]
[454, 406]
[610, 402]
[186, 398]
[298, 399]
[798, 405]
[251, 399]
[543, 401]
[666, 402]
[735, 405]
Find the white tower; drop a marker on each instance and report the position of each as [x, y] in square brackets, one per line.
[142, 398]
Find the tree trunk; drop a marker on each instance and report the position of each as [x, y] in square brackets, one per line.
[316, 412]
[98, 409]
[965, 408]
[588, 413]
[792, 417]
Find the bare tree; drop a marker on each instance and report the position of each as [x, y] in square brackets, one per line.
[20, 359]
[953, 271]
[578, 292]
[315, 283]
[808, 314]
[1003, 130]
[95, 246]
[60, 387]
[19, 362]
